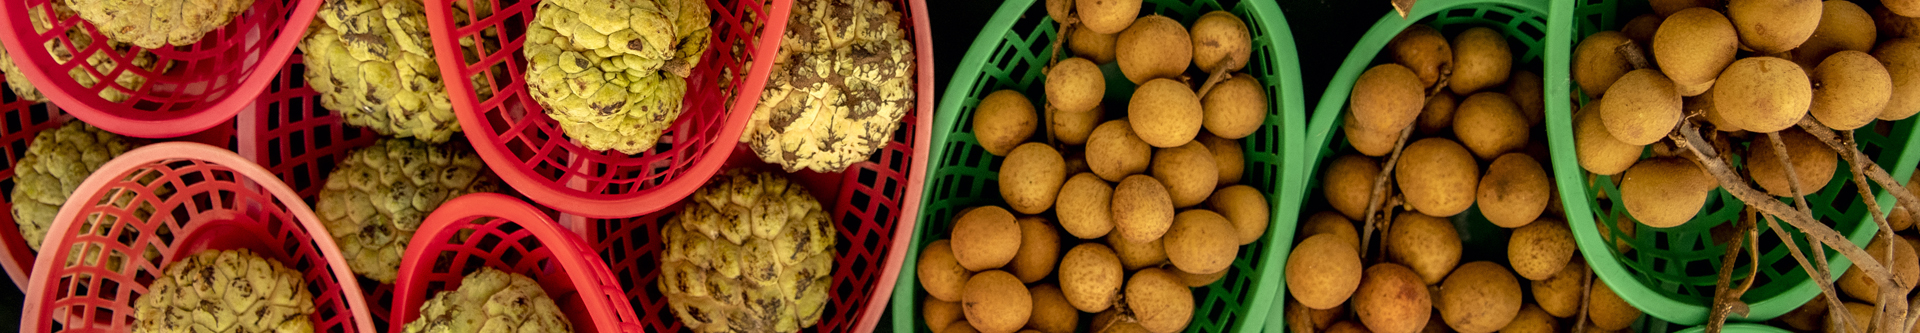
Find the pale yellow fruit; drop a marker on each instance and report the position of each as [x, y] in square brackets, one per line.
[1146, 51]
[1086, 43]
[1142, 209]
[1904, 264]
[1693, 45]
[1597, 63]
[1641, 107]
[1850, 90]
[1075, 85]
[1165, 113]
[1901, 56]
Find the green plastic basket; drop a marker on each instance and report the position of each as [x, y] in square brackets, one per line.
[1010, 54]
[1523, 22]
[1670, 273]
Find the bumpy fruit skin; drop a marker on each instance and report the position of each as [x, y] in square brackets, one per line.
[490, 300]
[222, 291]
[753, 252]
[613, 73]
[154, 24]
[99, 60]
[53, 167]
[841, 83]
[377, 198]
[371, 61]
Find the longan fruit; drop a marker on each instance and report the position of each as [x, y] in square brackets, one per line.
[995, 301]
[1051, 312]
[1193, 243]
[1596, 63]
[1059, 10]
[1030, 177]
[1891, 25]
[1641, 107]
[1003, 120]
[1246, 208]
[1812, 162]
[1136, 255]
[1386, 98]
[1077, 162]
[1347, 181]
[1086, 43]
[1559, 294]
[1479, 297]
[1143, 49]
[1599, 152]
[1531, 320]
[1763, 94]
[1693, 45]
[1435, 322]
[1142, 209]
[1540, 249]
[1039, 250]
[1347, 327]
[1641, 29]
[1331, 223]
[1104, 322]
[1901, 56]
[1114, 151]
[1221, 40]
[1160, 303]
[1843, 26]
[1607, 311]
[1514, 191]
[1085, 206]
[1668, 7]
[1198, 280]
[1235, 108]
[1376, 143]
[1421, 48]
[1437, 116]
[1323, 271]
[1229, 155]
[1107, 16]
[985, 238]
[1703, 104]
[1437, 176]
[1774, 26]
[1299, 318]
[1481, 59]
[1899, 219]
[1073, 128]
[1622, 238]
[1392, 299]
[1810, 316]
[1425, 244]
[1165, 113]
[1075, 85]
[960, 326]
[1090, 277]
[1859, 314]
[1908, 8]
[1527, 92]
[939, 314]
[1904, 264]
[940, 273]
[1664, 192]
[1188, 171]
[1490, 124]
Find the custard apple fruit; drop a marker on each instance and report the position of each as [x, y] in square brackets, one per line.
[56, 162]
[218, 291]
[839, 86]
[372, 61]
[490, 300]
[100, 60]
[612, 73]
[375, 199]
[155, 24]
[753, 252]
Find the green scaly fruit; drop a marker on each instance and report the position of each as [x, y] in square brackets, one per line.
[100, 60]
[489, 300]
[220, 291]
[371, 61]
[378, 196]
[839, 87]
[753, 252]
[155, 24]
[613, 73]
[56, 162]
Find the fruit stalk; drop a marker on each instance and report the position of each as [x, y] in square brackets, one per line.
[1379, 191]
[1854, 156]
[1888, 296]
[1726, 299]
[1586, 297]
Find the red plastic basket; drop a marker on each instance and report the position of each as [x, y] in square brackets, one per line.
[205, 84]
[873, 203]
[493, 230]
[212, 199]
[528, 150]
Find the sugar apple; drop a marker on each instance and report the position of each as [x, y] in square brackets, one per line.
[753, 252]
[613, 73]
[99, 60]
[490, 300]
[154, 24]
[375, 199]
[55, 163]
[371, 61]
[218, 291]
[839, 87]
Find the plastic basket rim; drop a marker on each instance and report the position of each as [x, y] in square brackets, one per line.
[637, 203]
[17, 270]
[1283, 206]
[195, 151]
[606, 314]
[908, 224]
[209, 115]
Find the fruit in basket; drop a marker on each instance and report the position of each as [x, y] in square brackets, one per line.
[225, 291]
[1330, 223]
[1115, 151]
[1136, 255]
[1221, 42]
[371, 62]
[376, 198]
[1039, 250]
[1165, 113]
[1859, 316]
[1437, 115]
[1051, 312]
[1158, 301]
[1514, 192]
[1813, 163]
[1197, 280]
[612, 74]
[1188, 171]
[1085, 206]
[1195, 245]
[1075, 85]
[1391, 299]
[1642, 28]
[101, 60]
[1437, 176]
[1531, 320]
[1091, 277]
[153, 24]
[940, 273]
[1073, 128]
[1599, 151]
[838, 89]
[1142, 209]
[1347, 182]
[1490, 124]
[1597, 62]
[1427, 245]
[995, 301]
[1843, 26]
[1323, 271]
[1665, 192]
[1479, 297]
[1229, 155]
[1540, 249]
[939, 314]
[1904, 266]
[1030, 177]
[1003, 120]
[1901, 56]
[1668, 7]
[491, 300]
[753, 252]
[1145, 49]
[1107, 16]
[52, 167]
[1386, 99]
[1235, 108]
[1086, 43]
[1607, 310]
[1763, 94]
[1851, 89]
[1692, 46]
[1560, 294]
[1774, 26]
[1246, 208]
[985, 238]
[1423, 50]
[1481, 59]
[1642, 107]
[1526, 89]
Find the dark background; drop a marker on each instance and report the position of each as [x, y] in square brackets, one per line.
[1323, 32]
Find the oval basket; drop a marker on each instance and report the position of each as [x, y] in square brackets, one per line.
[1670, 273]
[203, 85]
[1523, 22]
[217, 200]
[528, 150]
[1012, 51]
[493, 230]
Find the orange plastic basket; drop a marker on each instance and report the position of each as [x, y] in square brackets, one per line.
[204, 85]
[493, 230]
[175, 199]
[528, 150]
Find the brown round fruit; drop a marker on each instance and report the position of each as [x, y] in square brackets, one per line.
[1763, 94]
[1481, 59]
[1810, 316]
[1165, 113]
[1376, 143]
[1851, 89]
[939, 314]
[1347, 327]
[1229, 155]
[1114, 151]
[1437, 176]
[1437, 116]
[1221, 40]
[1107, 16]
[1901, 56]
[1531, 320]
[1003, 120]
[1859, 314]
[1559, 294]
[1641, 107]
[1323, 271]
[1039, 250]
[1143, 52]
[1331, 223]
[1160, 303]
[1086, 43]
[1668, 7]
[1188, 171]
[1774, 26]
[1665, 192]
[1073, 128]
[1051, 312]
[1514, 191]
[1490, 124]
[985, 238]
[1075, 85]
[1600, 152]
[1085, 206]
[1090, 277]
[1142, 209]
[1136, 255]
[1479, 297]
[1527, 92]
[1030, 177]
[1347, 182]
[1540, 249]
[1235, 107]
[940, 274]
[1693, 45]
[1891, 25]
[995, 301]
[1904, 264]
[1246, 208]
[1198, 280]
[1391, 299]
[1641, 28]
[1843, 26]
[1428, 245]
[1813, 162]
[1597, 63]
[1386, 98]
[1425, 51]
[1607, 310]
